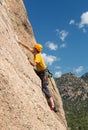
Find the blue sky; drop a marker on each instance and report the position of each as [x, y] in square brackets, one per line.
[61, 26]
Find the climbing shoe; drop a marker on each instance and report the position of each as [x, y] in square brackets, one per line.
[53, 108]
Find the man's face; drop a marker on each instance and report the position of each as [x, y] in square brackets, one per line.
[35, 50]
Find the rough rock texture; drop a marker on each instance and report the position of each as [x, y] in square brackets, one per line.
[23, 106]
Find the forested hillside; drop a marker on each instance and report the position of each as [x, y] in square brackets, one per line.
[74, 93]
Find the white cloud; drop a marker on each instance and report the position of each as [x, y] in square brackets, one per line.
[84, 30]
[58, 67]
[79, 69]
[72, 22]
[62, 34]
[83, 23]
[58, 74]
[52, 45]
[63, 45]
[84, 20]
[49, 59]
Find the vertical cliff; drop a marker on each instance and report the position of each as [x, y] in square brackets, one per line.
[23, 106]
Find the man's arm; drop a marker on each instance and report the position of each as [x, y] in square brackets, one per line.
[33, 63]
[27, 47]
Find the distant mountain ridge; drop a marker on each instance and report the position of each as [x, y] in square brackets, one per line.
[85, 77]
[72, 87]
[74, 93]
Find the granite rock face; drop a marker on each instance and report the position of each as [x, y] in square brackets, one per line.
[23, 106]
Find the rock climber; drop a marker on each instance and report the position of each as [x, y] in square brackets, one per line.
[41, 70]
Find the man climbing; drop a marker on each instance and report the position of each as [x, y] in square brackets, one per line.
[41, 70]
